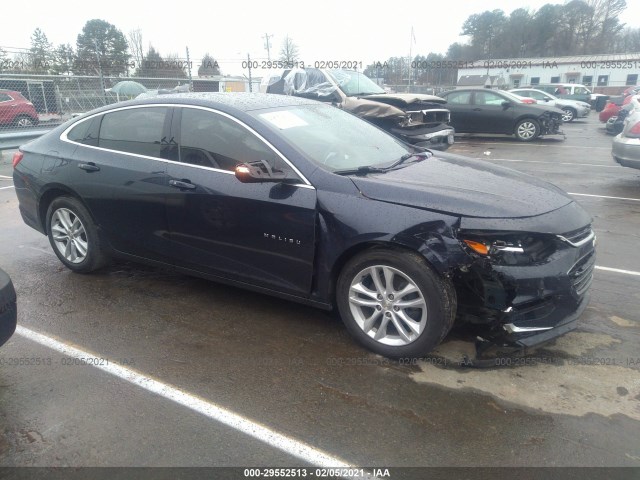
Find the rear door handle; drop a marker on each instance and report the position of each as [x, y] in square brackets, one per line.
[89, 167]
[182, 184]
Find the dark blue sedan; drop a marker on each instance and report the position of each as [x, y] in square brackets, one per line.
[294, 198]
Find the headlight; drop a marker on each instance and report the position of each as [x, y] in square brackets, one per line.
[509, 248]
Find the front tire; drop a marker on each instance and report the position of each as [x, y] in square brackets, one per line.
[527, 130]
[394, 304]
[569, 115]
[74, 236]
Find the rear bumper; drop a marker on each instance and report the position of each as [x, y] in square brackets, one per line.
[8, 309]
[626, 151]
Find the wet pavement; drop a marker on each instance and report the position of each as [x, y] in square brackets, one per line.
[294, 369]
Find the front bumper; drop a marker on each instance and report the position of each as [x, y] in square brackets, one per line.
[8, 310]
[626, 151]
[524, 305]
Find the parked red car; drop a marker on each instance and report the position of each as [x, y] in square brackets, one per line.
[612, 109]
[16, 110]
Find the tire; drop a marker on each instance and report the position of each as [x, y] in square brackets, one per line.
[569, 115]
[24, 121]
[82, 253]
[527, 130]
[362, 305]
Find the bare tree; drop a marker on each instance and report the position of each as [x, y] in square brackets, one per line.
[289, 50]
[134, 39]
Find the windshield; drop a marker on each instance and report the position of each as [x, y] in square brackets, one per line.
[333, 139]
[355, 83]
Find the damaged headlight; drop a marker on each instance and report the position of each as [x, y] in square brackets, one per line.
[509, 248]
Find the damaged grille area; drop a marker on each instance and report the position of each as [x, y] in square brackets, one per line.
[429, 117]
[581, 273]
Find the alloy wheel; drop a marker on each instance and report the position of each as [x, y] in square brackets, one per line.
[526, 130]
[69, 235]
[387, 305]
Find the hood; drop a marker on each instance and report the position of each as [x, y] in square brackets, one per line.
[463, 187]
[404, 100]
[363, 107]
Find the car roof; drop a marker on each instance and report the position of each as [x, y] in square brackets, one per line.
[243, 101]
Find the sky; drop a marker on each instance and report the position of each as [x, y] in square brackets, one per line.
[327, 30]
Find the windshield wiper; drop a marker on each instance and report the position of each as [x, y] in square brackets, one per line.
[371, 169]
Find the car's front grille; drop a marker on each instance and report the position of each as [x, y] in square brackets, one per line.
[582, 273]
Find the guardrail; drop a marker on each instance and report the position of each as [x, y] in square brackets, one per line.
[16, 138]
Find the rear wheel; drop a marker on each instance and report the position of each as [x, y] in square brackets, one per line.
[73, 236]
[394, 304]
[569, 114]
[25, 121]
[527, 130]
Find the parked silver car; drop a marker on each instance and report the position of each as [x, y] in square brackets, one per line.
[572, 108]
[626, 145]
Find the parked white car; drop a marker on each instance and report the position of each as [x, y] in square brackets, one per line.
[572, 108]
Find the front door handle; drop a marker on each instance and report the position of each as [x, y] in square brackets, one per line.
[89, 167]
[183, 184]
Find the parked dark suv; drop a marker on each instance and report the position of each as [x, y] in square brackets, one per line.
[298, 199]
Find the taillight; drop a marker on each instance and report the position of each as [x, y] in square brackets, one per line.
[17, 158]
[634, 131]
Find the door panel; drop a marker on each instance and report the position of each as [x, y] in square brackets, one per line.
[260, 233]
[488, 114]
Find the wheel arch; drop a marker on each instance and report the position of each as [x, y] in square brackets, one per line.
[49, 195]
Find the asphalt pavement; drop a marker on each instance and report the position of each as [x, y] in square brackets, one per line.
[138, 366]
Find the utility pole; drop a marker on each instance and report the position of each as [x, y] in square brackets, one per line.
[189, 71]
[104, 94]
[249, 64]
[267, 45]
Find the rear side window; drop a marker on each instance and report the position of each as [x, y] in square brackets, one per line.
[459, 97]
[134, 130]
[86, 132]
[4, 97]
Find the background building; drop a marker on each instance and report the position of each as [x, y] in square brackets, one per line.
[608, 74]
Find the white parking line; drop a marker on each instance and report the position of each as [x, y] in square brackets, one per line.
[5, 176]
[551, 163]
[264, 434]
[617, 270]
[4, 188]
[604, 196]
[536, 145]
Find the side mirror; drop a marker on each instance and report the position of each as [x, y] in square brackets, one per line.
[258, 172]
[506, 104]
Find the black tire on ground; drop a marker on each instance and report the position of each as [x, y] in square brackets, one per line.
[79, 222]
[437, 293]
[527, 130]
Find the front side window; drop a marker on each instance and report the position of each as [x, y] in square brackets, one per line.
[211, 140]
[134, 130]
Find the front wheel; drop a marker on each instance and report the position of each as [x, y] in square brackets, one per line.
[73, 235]
[394, 304]
[527, 130]
[24, 121]
[569, 115]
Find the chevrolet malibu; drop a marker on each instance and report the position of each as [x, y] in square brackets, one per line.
[298, 199]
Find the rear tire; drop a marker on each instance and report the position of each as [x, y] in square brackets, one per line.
[24, 121]
[74, 236]
[394, 304]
